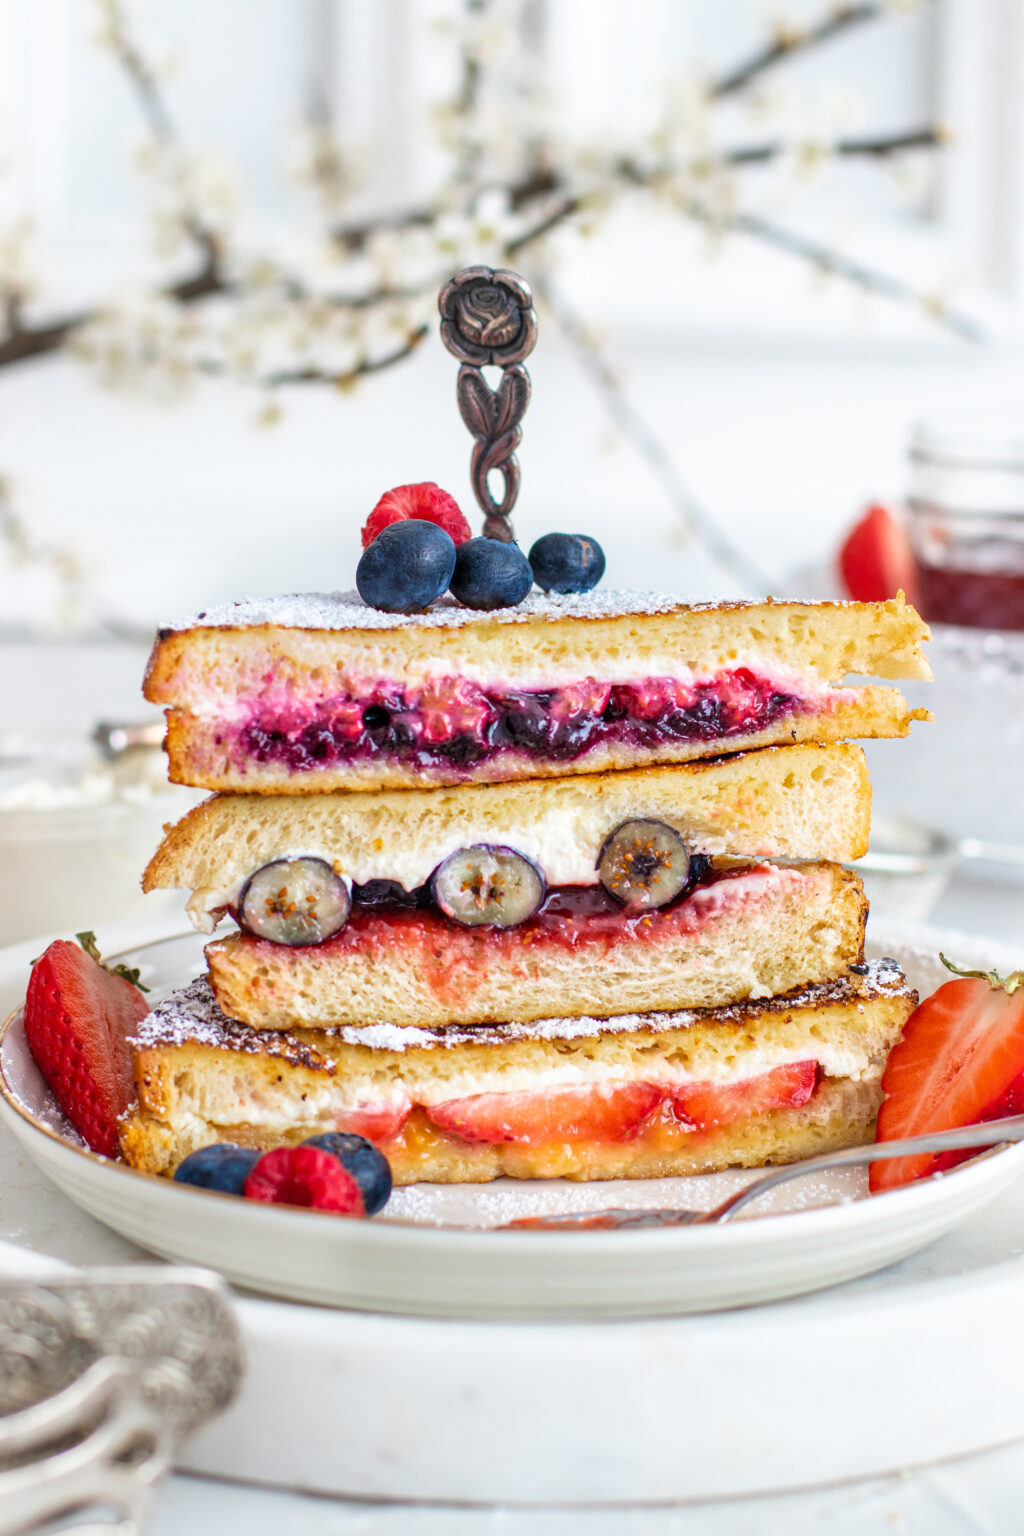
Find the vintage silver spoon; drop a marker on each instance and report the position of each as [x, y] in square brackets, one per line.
[992, 1133]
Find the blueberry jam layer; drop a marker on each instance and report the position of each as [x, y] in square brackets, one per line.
[454, 723]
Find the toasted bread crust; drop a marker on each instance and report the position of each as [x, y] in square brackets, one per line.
[797, 802]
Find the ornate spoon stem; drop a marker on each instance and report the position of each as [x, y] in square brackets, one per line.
[488, 319]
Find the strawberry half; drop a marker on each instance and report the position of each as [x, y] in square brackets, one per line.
[705, 1105]
[427, 502]
[876, 560]
[78, 1018]
[959, 1061]
[608, 1112]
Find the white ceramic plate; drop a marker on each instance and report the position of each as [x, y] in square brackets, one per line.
[433, 1252]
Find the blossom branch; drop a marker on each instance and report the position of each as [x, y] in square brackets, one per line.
[791, 38]
[827, 260]
[338, 378]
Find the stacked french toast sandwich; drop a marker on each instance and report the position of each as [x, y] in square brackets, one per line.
[556, 890]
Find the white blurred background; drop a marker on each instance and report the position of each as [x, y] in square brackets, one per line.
[783, 395]
[765, 241]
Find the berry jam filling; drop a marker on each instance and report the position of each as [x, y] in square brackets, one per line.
[385, 914]
[453, 723]
[388, 901]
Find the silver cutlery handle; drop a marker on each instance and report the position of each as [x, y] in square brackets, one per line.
[992, 1133]
[102, 1376]
[115, 738]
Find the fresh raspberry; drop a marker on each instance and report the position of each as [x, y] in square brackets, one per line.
[305, 1176]
[78, 1018]
[427, 502]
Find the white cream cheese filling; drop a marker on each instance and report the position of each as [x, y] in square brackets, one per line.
[236, 704]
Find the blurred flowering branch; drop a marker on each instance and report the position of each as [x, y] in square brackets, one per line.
[356, 296]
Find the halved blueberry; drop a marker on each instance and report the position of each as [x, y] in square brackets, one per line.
[644, 864]
[294, 902]
[488, 884]
[365, 1162]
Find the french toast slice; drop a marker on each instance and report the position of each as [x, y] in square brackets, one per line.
[587, 1098]
[741, 933]
[798, 802]
[317, 692]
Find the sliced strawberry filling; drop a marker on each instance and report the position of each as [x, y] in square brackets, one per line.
[708, 1104]
[607, 1112]
[378, 1122]
[610, 1112]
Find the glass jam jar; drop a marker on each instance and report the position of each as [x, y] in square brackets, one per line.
[965, 516]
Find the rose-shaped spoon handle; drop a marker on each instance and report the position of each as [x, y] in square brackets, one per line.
[488, 319]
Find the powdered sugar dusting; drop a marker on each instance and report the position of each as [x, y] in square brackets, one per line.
[346, 610]
[192, 1015]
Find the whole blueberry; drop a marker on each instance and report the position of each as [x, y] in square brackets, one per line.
[224, 1167]
[406, 567]
[365, 1162]
[490, 574]
[567, 562]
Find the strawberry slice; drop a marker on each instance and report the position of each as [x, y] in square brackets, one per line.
[377, 1122]
[876, 560]
[959, 1061]
[427, 502]
[704, 1105]
[607, 1112]
[78, 1018]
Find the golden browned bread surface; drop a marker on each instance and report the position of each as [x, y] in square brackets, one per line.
[275, 697]
[765, 931]
[203, 1078]
[800, 802]
[333, 639]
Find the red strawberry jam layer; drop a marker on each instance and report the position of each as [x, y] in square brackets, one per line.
[570, 916]
[654, 1115]
[452, 722]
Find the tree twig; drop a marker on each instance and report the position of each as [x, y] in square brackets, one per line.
[696, 520]
[340, 379]
[792, 39]
[827, 260]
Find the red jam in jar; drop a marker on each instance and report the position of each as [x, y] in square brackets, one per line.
[966, 522]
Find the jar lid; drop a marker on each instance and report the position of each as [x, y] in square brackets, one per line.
[976, 443]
